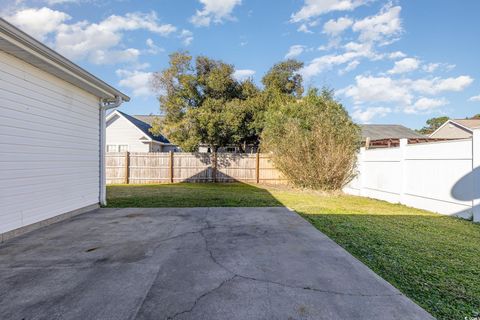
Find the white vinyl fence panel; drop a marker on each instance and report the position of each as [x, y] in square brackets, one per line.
[442, 177]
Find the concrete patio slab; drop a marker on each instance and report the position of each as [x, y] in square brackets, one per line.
[190, 263]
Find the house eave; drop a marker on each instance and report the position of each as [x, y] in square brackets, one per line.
[147, 138]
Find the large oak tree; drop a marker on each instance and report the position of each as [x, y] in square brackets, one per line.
[203, 103]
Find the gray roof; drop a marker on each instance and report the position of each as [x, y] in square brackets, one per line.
[147, 118]
[388, 131]
[469, 123]
[22, 46]
[144, 123]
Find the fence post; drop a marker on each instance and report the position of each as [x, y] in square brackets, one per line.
[171, 166]
[127, 167]
[367, 143]
[476, 175]
[361, 171]
[214, 167]
[403, 170]
[257, 168]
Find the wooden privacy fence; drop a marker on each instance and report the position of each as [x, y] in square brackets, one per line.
[163, 167]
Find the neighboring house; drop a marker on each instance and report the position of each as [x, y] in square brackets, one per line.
[52, 116]
[388, 131]
[456, 129]
[386, 135]
[132, 133]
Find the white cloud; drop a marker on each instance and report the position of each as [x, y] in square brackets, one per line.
[38, 22]
[315, 8]
[137, 81]
[353, 51]
[373, 31]
[403, 93]
[136, 21]
[449, 67]
[397, 55]
[243, 74]
[475, 98]
[295, 51]
[364, 116]
[405, 65]
[350, 67]
[431, 67]
[215, 11]
[437, 85]
[152, 47]
[384, 89]
[333, 43]
[114, 56]
[335, 27]
[304, 28]
[382, 27]
[186, 36]
[100, 43]
[90, 41]
[426, 105]
[377, 89]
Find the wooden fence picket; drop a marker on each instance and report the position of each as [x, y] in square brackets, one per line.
[169, 167]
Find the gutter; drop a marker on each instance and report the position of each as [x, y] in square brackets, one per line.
[104, 106]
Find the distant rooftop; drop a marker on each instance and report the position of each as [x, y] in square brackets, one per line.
[147, 118]
[144, 123]
[388, 131]
[469, 123]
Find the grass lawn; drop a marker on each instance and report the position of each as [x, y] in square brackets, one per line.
[433, 259]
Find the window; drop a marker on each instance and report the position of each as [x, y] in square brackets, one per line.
[123, 148]
[111, 148]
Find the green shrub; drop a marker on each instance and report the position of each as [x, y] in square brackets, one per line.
[313, 141]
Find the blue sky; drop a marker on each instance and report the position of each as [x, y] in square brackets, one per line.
[388, 61]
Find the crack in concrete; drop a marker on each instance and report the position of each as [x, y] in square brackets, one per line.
[209, 226]
[212, 256]
[203, 295]
[160, 243]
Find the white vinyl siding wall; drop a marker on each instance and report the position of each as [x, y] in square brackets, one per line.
[120, 131]
[49, 145]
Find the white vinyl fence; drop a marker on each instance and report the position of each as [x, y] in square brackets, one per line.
[442, 177]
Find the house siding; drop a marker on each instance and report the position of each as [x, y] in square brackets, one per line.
[451, 131]
[155, 147]
[49, 145]
[168, 148]
[120, 131]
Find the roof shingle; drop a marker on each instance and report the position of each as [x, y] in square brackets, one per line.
[388, 131]
[144, 123]
[469, 123]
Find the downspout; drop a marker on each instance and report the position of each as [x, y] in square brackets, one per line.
[104, 106]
